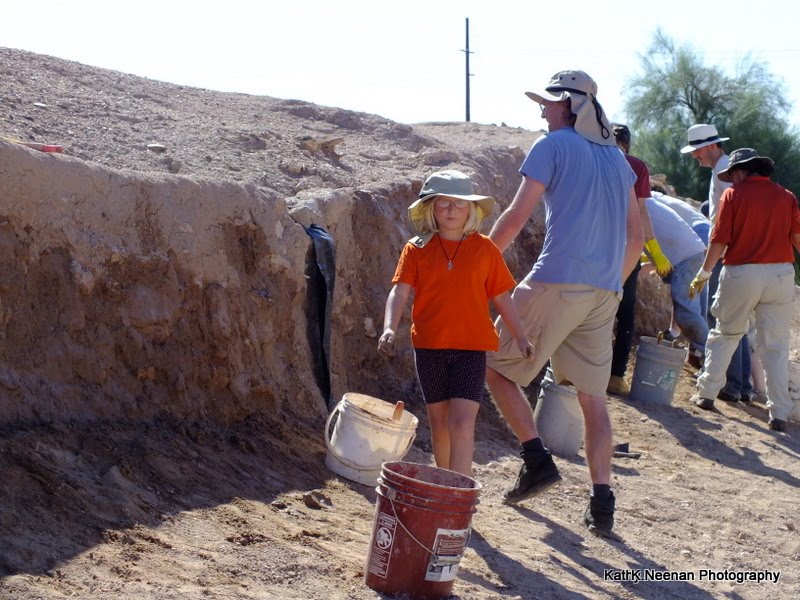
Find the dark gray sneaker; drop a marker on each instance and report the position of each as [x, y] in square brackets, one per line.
[534, 478]
[599, 517]
[704, 403]
[777, 424]
[727, 396]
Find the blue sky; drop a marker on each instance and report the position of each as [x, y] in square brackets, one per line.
[401, 60]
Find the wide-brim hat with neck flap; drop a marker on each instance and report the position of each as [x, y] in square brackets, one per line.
[452, 184]
[591, 121]
[746, 156]
[700, 136]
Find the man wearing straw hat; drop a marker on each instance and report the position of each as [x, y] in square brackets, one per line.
[705, 146]
[568, 300]
[758, 222]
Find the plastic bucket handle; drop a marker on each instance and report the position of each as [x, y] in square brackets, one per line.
[390, 495]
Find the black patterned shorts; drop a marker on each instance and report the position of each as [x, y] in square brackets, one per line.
[446, 374]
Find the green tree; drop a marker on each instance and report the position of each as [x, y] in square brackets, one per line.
[676, 90]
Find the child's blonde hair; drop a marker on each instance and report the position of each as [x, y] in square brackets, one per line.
[471, 226]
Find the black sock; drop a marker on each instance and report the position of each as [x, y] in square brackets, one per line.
[532, 448]
[601, 490]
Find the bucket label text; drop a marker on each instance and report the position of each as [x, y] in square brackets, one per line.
[382, 546]
[448, 548]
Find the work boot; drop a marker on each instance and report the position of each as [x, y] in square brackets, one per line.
[704, 403]
[617, 386]
[599, 517]
[535, 476]
[727, 396]
[777, 424]
[695, 359]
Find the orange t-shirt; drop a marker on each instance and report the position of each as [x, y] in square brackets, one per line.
[451, 307]
[756, 219]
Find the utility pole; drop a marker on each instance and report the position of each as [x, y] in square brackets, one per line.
[467, 52]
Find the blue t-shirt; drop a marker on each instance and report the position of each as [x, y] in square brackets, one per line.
[586, 208]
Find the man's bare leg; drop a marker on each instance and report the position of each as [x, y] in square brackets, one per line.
[513, 405]
[598, 445]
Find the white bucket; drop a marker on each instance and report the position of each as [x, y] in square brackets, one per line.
[559, 418]
[657, 369]
[365, 436]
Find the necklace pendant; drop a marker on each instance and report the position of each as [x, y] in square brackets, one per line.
[449, 265]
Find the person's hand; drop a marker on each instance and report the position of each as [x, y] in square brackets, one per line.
[698, 283]
[663, 266]
[386, 340]
[526, 348]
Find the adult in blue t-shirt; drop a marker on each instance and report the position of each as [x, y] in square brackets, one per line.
[568, 300]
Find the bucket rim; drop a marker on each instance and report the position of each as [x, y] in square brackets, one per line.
[435, 505]
[477, 485]
[357, 400]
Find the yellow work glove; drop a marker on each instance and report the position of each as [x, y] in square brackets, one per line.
[698, 283]
[661, 262]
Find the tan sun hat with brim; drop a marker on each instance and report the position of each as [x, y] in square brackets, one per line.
[700, 136]
[452, 184]
[746, 156]
[591, 121]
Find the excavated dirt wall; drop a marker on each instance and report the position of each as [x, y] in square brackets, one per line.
[130, 295]
[127, 294]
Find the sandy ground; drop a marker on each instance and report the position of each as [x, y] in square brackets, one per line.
[176, 511]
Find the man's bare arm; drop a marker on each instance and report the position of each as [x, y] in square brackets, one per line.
[513, 219]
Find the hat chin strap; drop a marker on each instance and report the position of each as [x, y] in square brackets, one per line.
[598, 113]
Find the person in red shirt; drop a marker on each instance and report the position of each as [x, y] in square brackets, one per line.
[454, 271]
[758, 223]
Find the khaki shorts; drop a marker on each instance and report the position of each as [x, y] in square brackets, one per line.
[571, 325]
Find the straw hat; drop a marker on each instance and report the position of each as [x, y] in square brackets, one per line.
[700, 136]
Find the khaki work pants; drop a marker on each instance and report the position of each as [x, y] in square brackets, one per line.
[766, 290]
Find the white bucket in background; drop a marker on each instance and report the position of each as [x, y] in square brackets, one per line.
[365, 436]
[658, 366]
[559, 418]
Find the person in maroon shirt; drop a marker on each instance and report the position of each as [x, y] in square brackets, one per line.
[758, 223]
[625, 313]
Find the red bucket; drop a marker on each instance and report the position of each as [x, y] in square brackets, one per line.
[421, 529]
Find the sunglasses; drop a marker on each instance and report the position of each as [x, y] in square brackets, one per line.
[447, 203]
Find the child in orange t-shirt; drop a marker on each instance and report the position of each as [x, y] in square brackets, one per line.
[454, 272]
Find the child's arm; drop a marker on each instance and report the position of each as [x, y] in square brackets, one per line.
[395, 304]
[508, 312]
